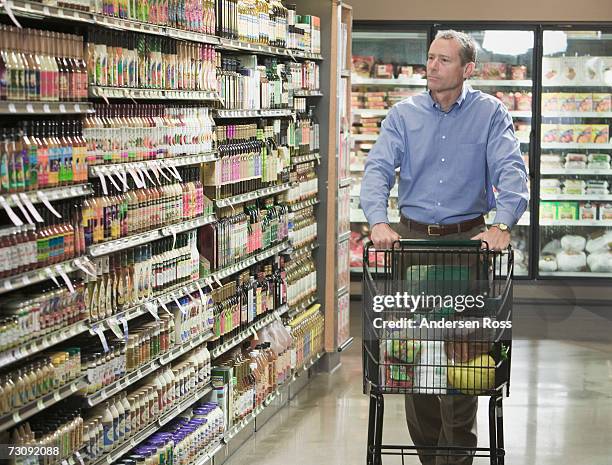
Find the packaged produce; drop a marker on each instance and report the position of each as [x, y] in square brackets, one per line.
[550, 186]
[574, 186]
[550, 101]
[494, 70]
[550, 133]
[473, 377]
[523, 101]
[584, 133]
[594, 187]
[584, 102]
[567, 133]
[605, 211]
[575, 160]
[548, 210]
[551, 70]
[569, 70]
[551, 160]
[567, 210]
[571, 243]
[591, 70]
[547, 263]
[599, 157]
[507, 98]
[588, 211]
[552, 248]
[519, 72]
[602, 133]
[571, 261]
[602, 102]
[567, 102]
[600, 262]
[599, 242]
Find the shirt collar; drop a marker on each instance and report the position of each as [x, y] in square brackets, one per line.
[458, 102]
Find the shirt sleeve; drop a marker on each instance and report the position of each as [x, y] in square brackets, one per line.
[506, 169]
[379, 176]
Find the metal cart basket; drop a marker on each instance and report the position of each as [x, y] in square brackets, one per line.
[437, 320]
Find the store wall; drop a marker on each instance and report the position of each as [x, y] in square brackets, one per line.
[483, 10]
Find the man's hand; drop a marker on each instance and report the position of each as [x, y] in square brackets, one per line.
[495, 238]
[462, 352]
[383, 236]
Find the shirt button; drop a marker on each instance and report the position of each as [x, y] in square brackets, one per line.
[443, 137]
[440, 181]
[443, 160]
[438, 204]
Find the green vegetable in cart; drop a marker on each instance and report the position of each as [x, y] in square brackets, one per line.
[406, 351]
[473, 377]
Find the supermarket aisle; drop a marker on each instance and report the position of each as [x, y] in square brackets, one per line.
[560, 411]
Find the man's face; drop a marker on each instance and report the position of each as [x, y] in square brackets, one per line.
[444, 68]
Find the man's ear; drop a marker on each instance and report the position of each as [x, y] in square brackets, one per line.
[469, 70]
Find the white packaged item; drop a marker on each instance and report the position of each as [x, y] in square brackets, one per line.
[548, 263]
[551, 70]
[596, 191]
[605, 211]
[551, 161]
[576, 157]
[600, 262]
[431, 372]
[588, 211]
[570, 72]
[550, 182]
[571, 261]
[592, 68]
[553, 247]
[598, 165]
[599, 242]
[571, 243]
[575, 165]
[599, 157]
[574, 186]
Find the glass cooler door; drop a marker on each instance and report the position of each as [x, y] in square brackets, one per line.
[575, 204]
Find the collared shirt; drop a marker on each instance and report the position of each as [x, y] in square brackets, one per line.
[448, 162]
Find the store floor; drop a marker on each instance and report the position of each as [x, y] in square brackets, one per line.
[559, 412]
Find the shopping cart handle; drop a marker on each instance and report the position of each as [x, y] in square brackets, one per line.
[439, 243]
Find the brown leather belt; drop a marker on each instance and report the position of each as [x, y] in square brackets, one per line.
[442, 229]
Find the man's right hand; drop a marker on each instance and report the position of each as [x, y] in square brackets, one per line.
[383, 236]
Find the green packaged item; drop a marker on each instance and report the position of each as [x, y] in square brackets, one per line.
[405, 351]
[568, 211]
[548, 210]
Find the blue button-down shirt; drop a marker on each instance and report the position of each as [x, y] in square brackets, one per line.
[448, 162]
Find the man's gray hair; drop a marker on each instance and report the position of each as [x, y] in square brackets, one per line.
[467, 44]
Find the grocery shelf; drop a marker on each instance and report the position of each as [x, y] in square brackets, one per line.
[123, 243]
[576, 85]
[370, 112]
[41, 343]
[51, 194]
[303, 250]
[364, 137]
[233, 269]
[206, 456]
[116, 453]
[42, 274]
[252, 113]
[305, 158]
[576, 274]
[151, 94]
[359, 81]
[559, 145]
[131, 378]
[344, 236]
[42, 403]
[44, 108]
[346, 182]
[520, 114]
[229, 44]
[593, 223]
[180, 160]
[307, 93]
[303, 204]
[248, 332]
[577, 114]
[602, 197]
[357, 216]
[295, 310]
[500, 83]
[572, 171]
[238, 199]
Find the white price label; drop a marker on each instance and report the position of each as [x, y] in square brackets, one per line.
[62, 107]
[8, 285]
[9, 211]
[77, 107]
[26, 280]
[152, 309]
[46, 108]
[45, 200]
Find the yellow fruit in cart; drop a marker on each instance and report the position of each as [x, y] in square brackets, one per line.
[473, 377]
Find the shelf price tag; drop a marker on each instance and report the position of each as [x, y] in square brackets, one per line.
[9, 211]
[50, 274]
[30, 206]
[114, 326]
[165, 307]
[112, 180]
[65, 277]
[181, 307]
[152, 309]
[124, 323]
[98, 330]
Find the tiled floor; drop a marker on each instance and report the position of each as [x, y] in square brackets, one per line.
[559, 412]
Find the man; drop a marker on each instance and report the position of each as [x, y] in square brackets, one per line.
[452, 144]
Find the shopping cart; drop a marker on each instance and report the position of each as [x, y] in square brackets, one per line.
[406, 340]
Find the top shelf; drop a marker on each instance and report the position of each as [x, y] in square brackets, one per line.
[359, 81]
[37, 10]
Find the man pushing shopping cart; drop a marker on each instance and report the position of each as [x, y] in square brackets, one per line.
[452, 145]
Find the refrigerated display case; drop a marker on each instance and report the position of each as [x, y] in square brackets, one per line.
[575, 203]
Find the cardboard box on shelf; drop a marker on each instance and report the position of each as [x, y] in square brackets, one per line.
[584, 133]
[602, 102]
[523, 101]
[550, 133]
[602, 133]
[550, 101]
[567, 211]
[570, 72]
[551, 70]
[567, 102]
[567, 133]
[548, 210]
[584, 102]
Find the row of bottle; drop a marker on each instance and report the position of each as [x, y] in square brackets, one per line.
[132, 277]
[59, 430]
[127, 413]
[37, 378]
[42, 154]
[302, 227]
[305, 184]
[41, 311]
[307, 132]
[190, 15]
[41, 65]
[119, 214]
[238, 304]
[301, 280]
[307, 331]
[304, 76]
[184, 440]
[234, 238]
[39, 245]
[133, 60]
[191, 317]
[128, 133]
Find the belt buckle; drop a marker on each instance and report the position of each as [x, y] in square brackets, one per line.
[429, 231]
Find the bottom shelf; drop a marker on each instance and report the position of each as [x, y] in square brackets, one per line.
[576, 274]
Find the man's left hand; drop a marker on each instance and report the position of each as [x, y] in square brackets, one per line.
[495, 238]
